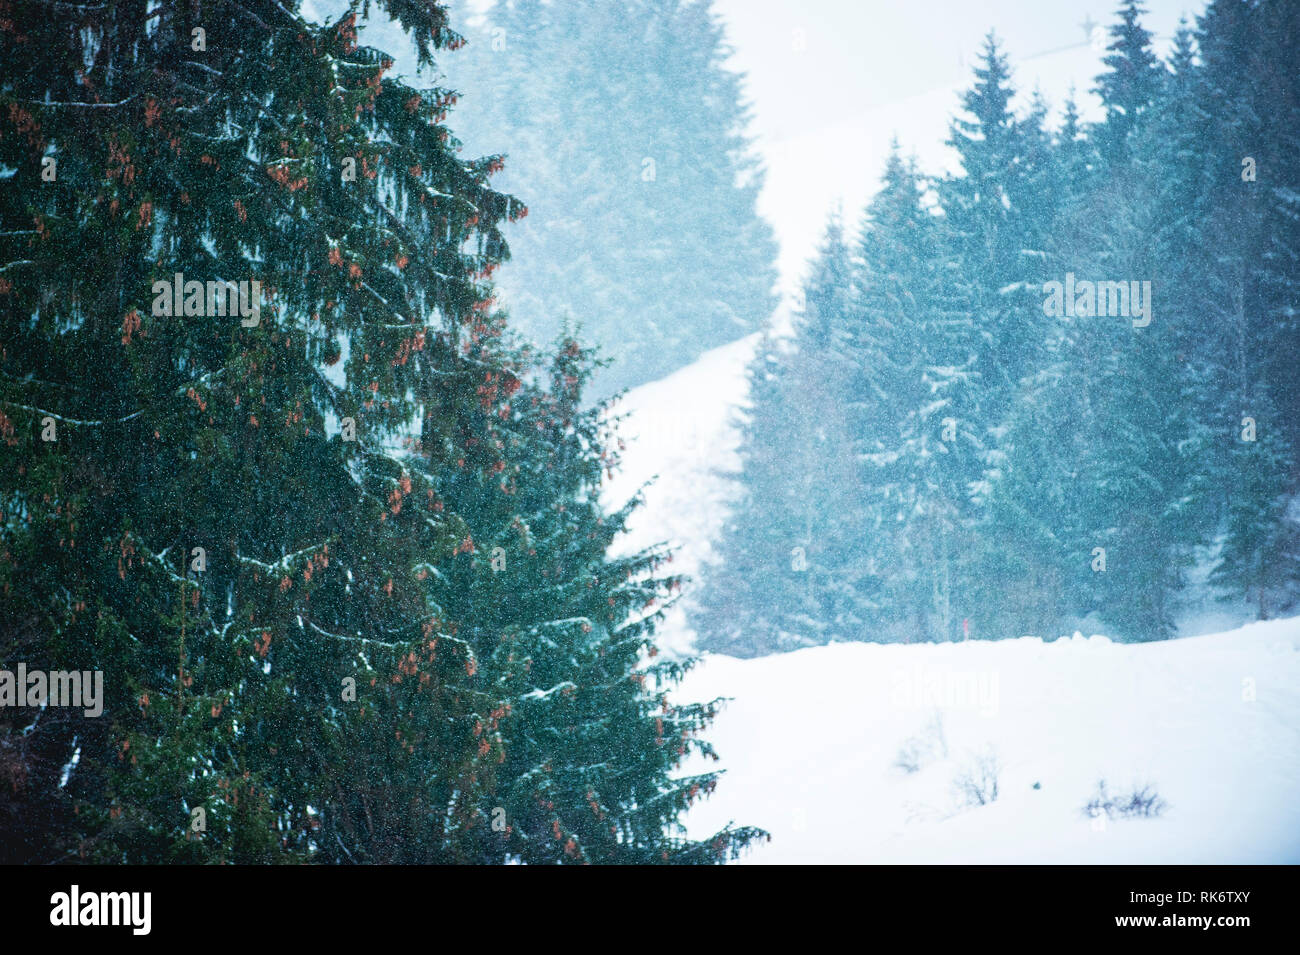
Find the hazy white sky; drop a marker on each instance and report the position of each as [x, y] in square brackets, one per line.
[811, 61]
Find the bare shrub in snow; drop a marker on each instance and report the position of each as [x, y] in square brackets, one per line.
[912, 755]
[977, 783]
[1138, 802]
[923, 748]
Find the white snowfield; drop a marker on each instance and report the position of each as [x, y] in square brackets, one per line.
[1211, 723]
[810, 740]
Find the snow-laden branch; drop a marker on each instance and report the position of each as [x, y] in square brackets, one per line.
[158, 559]
[539, 694]
[123, 102]
[357, 639]
[73, 421]
[282, 564]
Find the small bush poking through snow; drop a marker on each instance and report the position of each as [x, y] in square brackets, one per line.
[1140, 801]
[923, 748]
[977, 784]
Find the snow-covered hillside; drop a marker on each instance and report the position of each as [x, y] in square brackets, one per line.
[682, 435]
[1211, 723]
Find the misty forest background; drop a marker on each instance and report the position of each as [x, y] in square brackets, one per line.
[417, 646]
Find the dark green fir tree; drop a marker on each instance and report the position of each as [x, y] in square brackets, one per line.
[271, 457]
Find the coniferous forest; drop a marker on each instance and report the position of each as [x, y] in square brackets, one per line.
[990, 462]
[326, 327]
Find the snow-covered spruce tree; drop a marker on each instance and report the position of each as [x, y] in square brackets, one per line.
[627, 135]
[1250, 277]
[793, 565]
[917, 424]
[999, 208]
[999, 214]
[1131, 82]
[861, 449]
[1030, 550]
[211, 504]
[1168, 155]
[1075, 154]
[1259, 558]
[1098, 451]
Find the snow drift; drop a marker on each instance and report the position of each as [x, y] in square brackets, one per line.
[812, 740]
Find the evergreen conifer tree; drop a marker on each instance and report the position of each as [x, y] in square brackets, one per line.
[263, 518]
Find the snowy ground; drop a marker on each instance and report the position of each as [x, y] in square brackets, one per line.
[1212, 723]
[810, 740]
